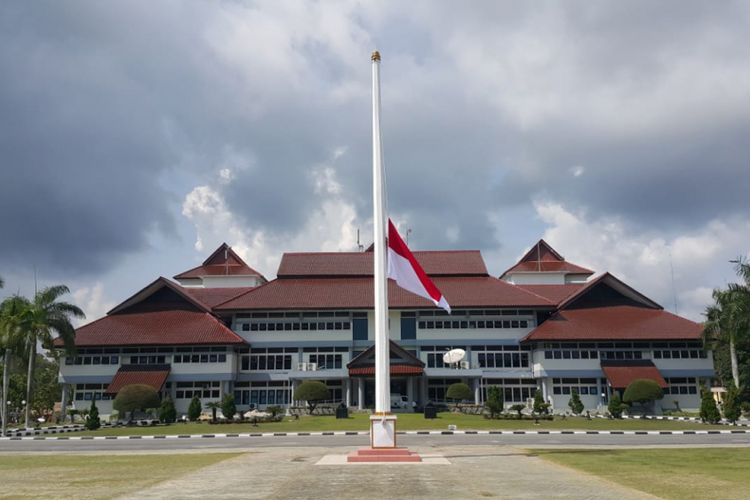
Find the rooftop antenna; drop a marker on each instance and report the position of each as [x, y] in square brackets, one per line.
[674, 289]
[360, 246]
[408, 232]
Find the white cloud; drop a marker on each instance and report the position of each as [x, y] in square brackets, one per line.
[699, 258]
[577, 170]
[93, 302]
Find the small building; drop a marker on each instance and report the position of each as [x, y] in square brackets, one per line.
[545, 324]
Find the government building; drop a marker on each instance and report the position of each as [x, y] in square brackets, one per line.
[545, 323]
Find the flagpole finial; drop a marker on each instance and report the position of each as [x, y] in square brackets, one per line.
[376, 56]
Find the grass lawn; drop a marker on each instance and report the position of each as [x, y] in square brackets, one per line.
[406, 422]
[93, 476]
[686, 473]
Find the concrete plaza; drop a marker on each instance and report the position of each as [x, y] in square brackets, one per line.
[463, 472]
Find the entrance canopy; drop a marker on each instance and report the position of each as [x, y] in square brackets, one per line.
[621, 373]
[153, 375]
[403, 363]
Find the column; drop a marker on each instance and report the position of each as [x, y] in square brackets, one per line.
[348, 389]
[423, 390]
[361, 393]
[477, 392]
[64, 402]
[410, 389]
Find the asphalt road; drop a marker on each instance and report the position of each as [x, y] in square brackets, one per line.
[248, 443]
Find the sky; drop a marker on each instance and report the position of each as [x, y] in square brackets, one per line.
[136, 137]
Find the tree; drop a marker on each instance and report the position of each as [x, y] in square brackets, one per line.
[540, 407]
[459, 392]
[615, 405]
[575, 403]
[213, 406]
[518, 408]
[93, 422]
[167, 411]
[47, 315]
[136, 397]
[311, 392]
[494, 403]
[12, 336]
[732, 409]
[228, 408]
[709, 412]
[194, 410]
[642, 391]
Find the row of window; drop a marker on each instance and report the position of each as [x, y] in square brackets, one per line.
[472, 312]
[584, 386]
[327, 361]
[296, 326]
[681, 385]
[622, 345]
[201, 390]
[570, 354]
[474, 324]
[199, 358]
[87, 392]
[503, 360]
[681, 354]
[266, 362]
[92, 360]
[513, 390]
[148, 360]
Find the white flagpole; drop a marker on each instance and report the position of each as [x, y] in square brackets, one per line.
[382, 424]
[382, 357]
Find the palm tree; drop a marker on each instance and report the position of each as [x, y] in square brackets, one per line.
[45, 316]
[728, 318]
[12, 315]
[213, 406]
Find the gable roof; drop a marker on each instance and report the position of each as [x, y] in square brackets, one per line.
[339, 264]
[357, 293]
[367, 357]
[222, 262]
[542, 258]
[619, 286]
[153, 287]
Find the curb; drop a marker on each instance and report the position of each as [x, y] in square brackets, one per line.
[367, 433]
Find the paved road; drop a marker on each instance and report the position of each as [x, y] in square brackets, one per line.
[243, 443]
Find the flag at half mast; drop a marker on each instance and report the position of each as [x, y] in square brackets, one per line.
[404, 269]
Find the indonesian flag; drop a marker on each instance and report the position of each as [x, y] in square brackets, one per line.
[406, 271]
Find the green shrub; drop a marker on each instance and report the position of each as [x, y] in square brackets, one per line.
[518, 408]
[136, 397]
[275, 410]
[194, 410]
[642, 391]
[93, 422]
[214, 406]
[732, 408]
[495, 404]
[709, 412]
[540, 407]
[615, 405]
[167, 411]
[459, 392]
[575, 403]
[311, 392]
[228, 408]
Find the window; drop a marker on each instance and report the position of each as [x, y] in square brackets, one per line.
[681, 386]
[565, 386]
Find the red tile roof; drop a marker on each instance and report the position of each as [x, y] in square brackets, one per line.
[172, 327]
[622, 374]
[224, 261]
[622, 322]
[328, 264]
[543, 258]
[335, 293]
[369, 371]
[215, 296]
[155, 376]
[553, 293]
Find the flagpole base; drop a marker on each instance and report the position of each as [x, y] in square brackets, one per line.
[383, 431]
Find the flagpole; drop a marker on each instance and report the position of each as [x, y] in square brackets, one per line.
[382, 428]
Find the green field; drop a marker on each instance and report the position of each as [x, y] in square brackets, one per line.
[93, 476]
[406, 421]
[686, 473]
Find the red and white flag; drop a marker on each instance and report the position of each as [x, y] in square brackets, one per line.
[406, 271]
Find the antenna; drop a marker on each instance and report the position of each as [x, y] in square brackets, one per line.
[408, 232]
[674, 289]
[360, 247]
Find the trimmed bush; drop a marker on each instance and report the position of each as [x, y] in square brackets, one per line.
[709, 412]
[615, 405]
[495, 404]
[93, 422]
[540, 407]
[312, 392]
[167, 411]
[518, 408]
[194, 410]
[136, 397]
[642, 391]
[459, 392]
[274, 410]
[575, 403]
[732, 410]
[228, 408]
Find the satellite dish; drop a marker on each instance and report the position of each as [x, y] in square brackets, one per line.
[454, 356]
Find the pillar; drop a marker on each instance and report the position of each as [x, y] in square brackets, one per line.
[410, 389]
[348, 391]
[477, 392]
[361, 393]
[64, 402]
[423, 390]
